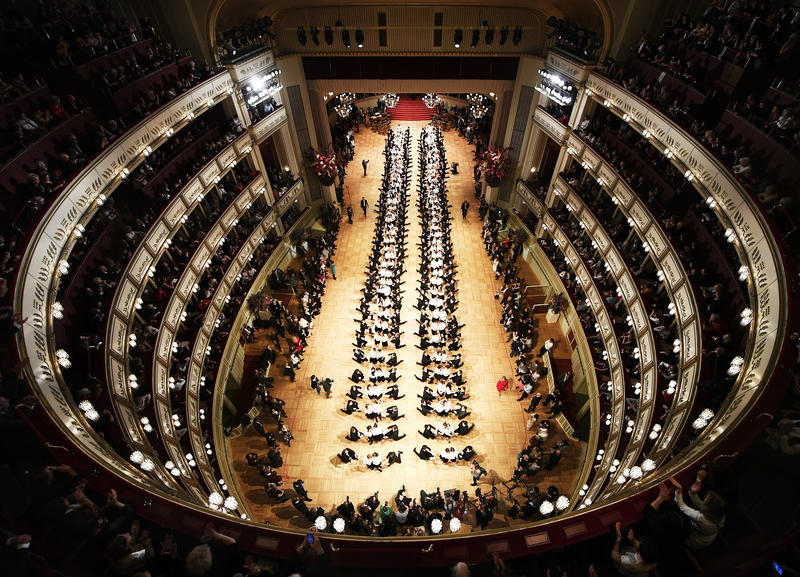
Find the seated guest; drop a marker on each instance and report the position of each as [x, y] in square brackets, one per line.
[426, 376]
[373, 411]
[359, 356]
[348, 455]
[373, 462]
[392, 361]
[425, 408]
[448, 455]
[354, 434]
[393, 457]
[394, 393]
[374, 433]
[464, 428]
[460, 410]
[357, 376]
[467, 453]
[355, 392]
[351, 407]
[428, 432]
[424, 452]
[427, 394]
[393, 413]
[394, 433]
[444, 429]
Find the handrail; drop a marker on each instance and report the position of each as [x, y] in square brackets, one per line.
[676, 282]
[607, 333]
[644, 332]
[177, 303]
[207, 327]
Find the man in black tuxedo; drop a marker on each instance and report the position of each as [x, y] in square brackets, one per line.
[464, 209]
[364, 203]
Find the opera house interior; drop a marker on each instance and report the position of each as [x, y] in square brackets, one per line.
[380, 288]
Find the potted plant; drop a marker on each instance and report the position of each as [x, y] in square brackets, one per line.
[558, 303]
[257, 301]
[325, 166]
[494, 164]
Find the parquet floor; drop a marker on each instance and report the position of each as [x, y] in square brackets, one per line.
[318, 425]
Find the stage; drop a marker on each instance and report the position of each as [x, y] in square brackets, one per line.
[318, 425]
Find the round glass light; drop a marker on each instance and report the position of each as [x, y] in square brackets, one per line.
[320, 523]
[338, 525]
[546, 508]
[455, 525]
[231, 504]
[215, 499]
[562, 502]
[436, 526]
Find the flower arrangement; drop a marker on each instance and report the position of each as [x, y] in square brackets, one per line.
[325, 166]
[494, 164]
[558, 303]
[258, 301]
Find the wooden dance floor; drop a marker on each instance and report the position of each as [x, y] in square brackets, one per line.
[317, 423]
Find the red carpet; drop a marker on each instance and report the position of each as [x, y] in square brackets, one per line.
[408, 110]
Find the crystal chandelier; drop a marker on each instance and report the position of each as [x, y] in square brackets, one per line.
[345, 104]
[474, 98]
[391, 100]
[478, 110]
[343, 110]
[431, 100]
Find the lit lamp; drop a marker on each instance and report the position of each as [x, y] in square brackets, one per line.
[62, 357]
[436, 526]
[391, 100]
[455, 525]
[430, 100]
[230, 504]
[736, 366]
[320, 523]
[746, 317]
[338, 525]
[215, 499]
[546, 508]
[562, 503]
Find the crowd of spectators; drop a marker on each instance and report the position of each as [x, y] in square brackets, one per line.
[761, 39]
[40, 158]
[687, 229]
[244, 39]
